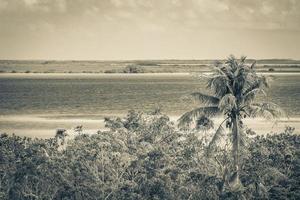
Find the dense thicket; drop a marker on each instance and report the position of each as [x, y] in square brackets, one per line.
[146, 157]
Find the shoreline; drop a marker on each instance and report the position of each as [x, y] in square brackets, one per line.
[19, 74]
[37, 126]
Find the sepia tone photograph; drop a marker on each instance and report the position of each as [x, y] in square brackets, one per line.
[149, 99]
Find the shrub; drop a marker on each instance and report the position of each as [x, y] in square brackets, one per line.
[144, 156]
[133, 69]
[110, 71]
[271, 70]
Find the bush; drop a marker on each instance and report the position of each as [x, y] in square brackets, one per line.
[273, 165]
[144, 156]
[110, 71]
[133, 69]
[271, 70]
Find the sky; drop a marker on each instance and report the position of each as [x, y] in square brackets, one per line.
[149, 29]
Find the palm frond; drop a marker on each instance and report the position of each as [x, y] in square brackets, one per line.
[228, 102]
[251, 94]
[239, 83]
[266, 110]
[203, 123]
[244, 140]
[243, 59]
[264, 81]
[250, 85]
[223, 73]
[218, 134]
[217, 63]
[238, 71]
[232, 62]
[253, 65]
[206, 99]
[228, 72]
[191, 116]
[219, 85]
[253, 81]
[219, 71]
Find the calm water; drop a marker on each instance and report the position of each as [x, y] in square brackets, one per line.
[94, 96]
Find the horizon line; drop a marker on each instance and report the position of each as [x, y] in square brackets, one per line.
[162, 59]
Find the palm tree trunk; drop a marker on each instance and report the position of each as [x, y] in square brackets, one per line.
[235, 180]
[235, 131]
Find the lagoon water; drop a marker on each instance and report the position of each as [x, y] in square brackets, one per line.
[37, 104]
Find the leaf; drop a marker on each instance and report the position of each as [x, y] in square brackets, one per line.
[243, 59]
[189, 117]
[251, 94]
[219, 84]
[272, 176]
[227, 103]
[206, 99]
[222, 71]
[203, 123]
[243, 139]
[265, 110]
[218, 134]
[264, 81]
[253, 65]
[251, 81]
[232, 62]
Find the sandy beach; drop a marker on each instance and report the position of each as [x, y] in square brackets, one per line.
[46, 126]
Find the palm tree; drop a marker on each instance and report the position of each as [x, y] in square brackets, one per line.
[234, 86]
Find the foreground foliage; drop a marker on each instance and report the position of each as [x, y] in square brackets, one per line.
[144, 156]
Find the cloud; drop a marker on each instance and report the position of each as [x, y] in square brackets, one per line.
[95, 22]
[3, 5]
[256, 14]
[30, 2]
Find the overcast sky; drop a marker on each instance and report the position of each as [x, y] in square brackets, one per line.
[149, 29]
